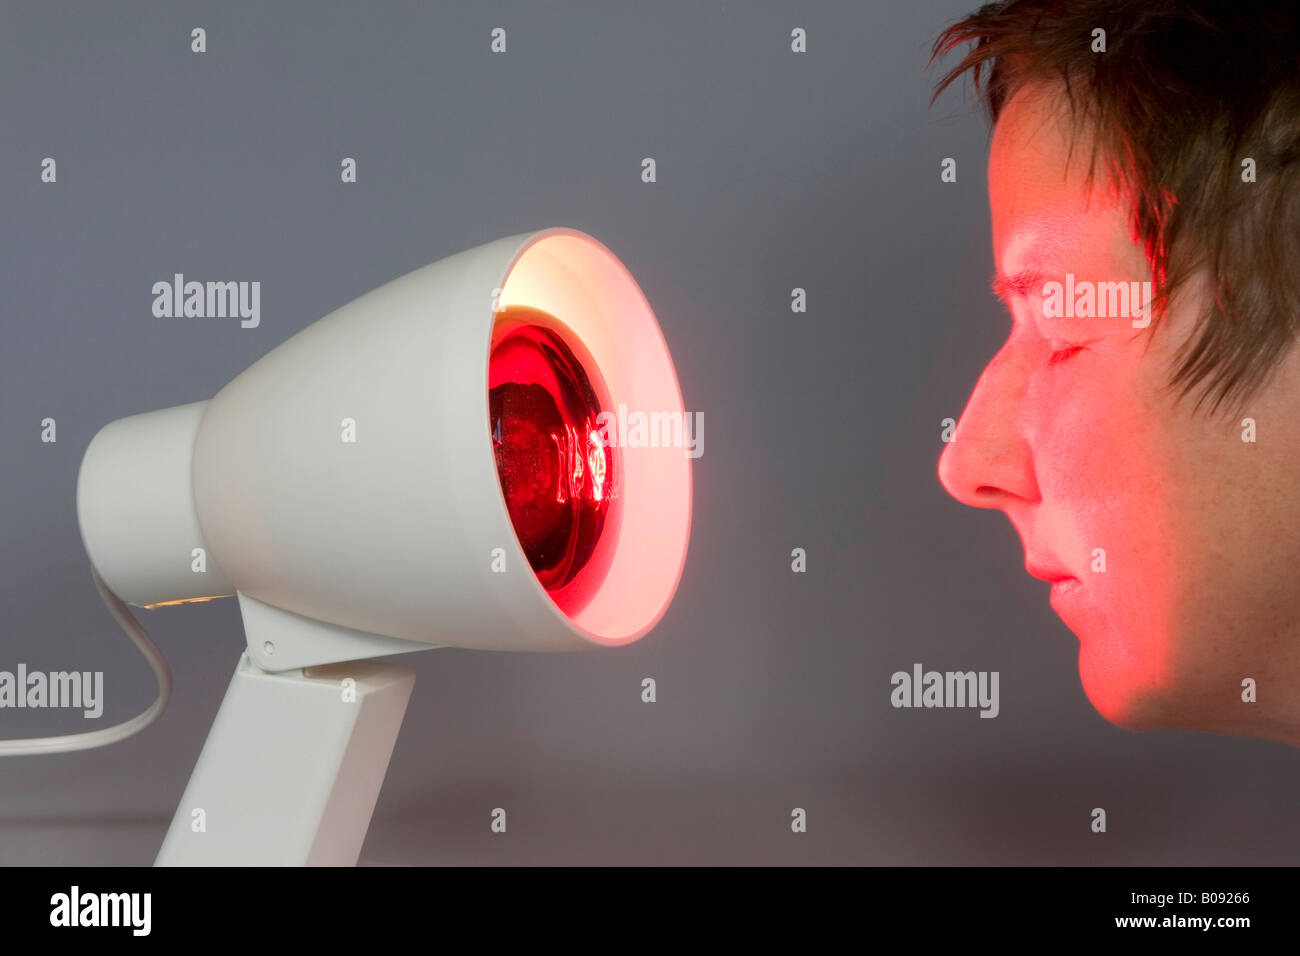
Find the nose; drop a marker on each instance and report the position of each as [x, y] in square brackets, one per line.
[987, 462]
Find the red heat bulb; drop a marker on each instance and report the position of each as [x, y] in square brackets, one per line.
[559, 477]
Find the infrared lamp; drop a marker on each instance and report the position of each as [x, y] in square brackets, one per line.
[424, 467]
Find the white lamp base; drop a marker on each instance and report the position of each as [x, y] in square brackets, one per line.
[292, 767]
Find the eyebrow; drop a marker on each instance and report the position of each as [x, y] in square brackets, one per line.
[1019, 284]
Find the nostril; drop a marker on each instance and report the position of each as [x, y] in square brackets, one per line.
[990, 472]
[991, 496]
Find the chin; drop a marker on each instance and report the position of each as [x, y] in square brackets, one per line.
[1128, 698]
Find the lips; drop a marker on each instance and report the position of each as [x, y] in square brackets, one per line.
[1064, 586]
[1047, 572]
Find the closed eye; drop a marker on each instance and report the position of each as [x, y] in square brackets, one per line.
[1062, 354]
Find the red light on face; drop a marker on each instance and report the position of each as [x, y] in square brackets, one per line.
[558, 475]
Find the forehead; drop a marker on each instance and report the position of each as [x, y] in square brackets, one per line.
[1041, 202]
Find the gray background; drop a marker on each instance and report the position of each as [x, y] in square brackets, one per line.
[822, 430]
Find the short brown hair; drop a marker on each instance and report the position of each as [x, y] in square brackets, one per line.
[1185, 91]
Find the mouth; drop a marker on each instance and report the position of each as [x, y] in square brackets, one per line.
[1062, 581]
[1064, 588]
[1045, 572]
[1072, 604]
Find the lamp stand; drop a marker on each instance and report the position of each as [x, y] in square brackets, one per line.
[292, 767]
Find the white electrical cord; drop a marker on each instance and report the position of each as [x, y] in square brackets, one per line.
[108, 735]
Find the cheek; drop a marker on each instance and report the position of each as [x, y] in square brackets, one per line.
[1100, 458]
[1104, 460]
